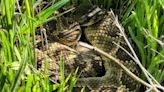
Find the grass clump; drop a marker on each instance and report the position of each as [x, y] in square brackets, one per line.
[145, 28]
[18, 21]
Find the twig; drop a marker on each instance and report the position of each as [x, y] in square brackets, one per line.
[134, 54]
[125, 51]
[157, 40]
[157, 52]
[158, 86]
[58, 15]
[116, 61]
[18, 6]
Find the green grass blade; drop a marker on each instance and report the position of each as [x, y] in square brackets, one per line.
[43, 15]
[2, 82]
[127, 13]
[17, 77]
[6, 46]
[140, 46]
[73, 80]
[29, 83]
[62, 77]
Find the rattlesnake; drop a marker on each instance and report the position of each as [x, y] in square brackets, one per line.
[100, 33]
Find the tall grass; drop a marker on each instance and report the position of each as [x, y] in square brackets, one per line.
[145, 28]
[18, 22]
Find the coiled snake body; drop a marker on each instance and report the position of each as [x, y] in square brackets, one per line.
[102, 34]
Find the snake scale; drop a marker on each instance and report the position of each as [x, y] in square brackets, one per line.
[96, 72]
